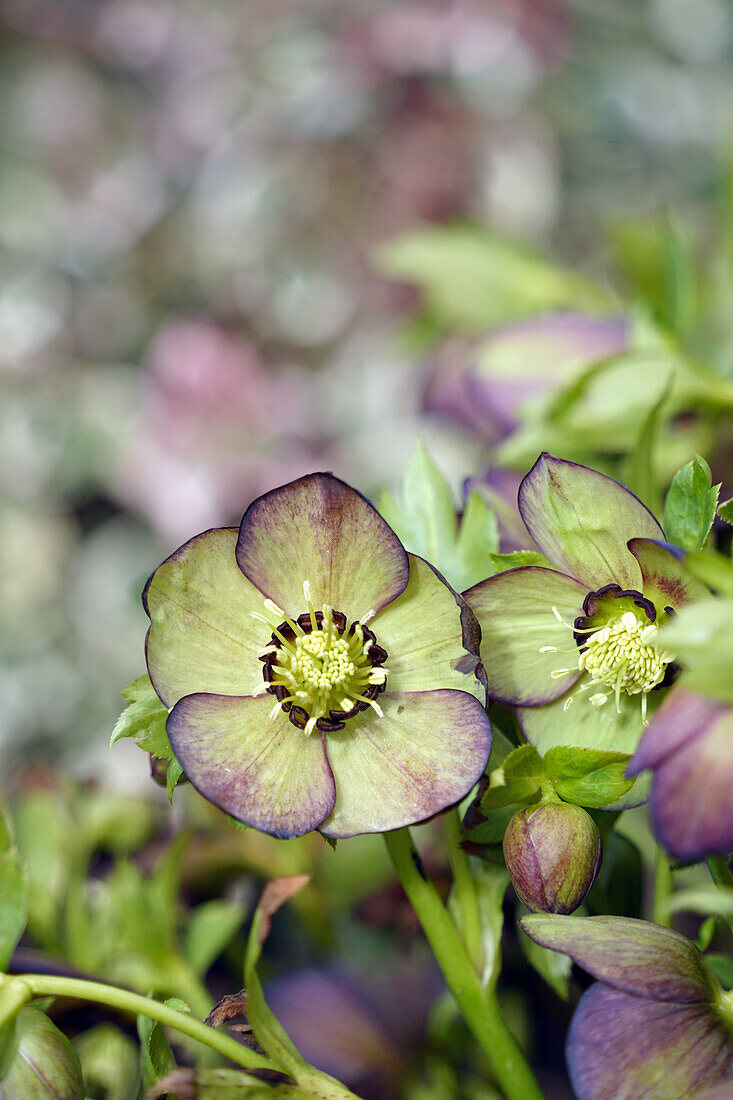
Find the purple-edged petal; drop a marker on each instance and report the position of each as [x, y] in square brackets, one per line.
[665, 581]
[635, 956]
[682, 717]
[514, 610]
[582, 521]
[424, 755]
[692, 803]
[430, 636]
[320, 530]
[202, 635]
[263, 772]
[627, 1048]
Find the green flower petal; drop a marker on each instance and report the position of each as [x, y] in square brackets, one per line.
[430, 636]
[584, 726]
[425, 754]
[582, 520]
[514, 610]
[320, 530]
[665, 581]
[264, 772]
[202, 635]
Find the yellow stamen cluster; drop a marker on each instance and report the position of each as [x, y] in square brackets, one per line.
[322, 667]
[622, 655]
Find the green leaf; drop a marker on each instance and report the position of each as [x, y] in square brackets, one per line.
[689, 509]
[516, 781]
[109, 1063]
[156, 1056]
[231, 1084]
[172, 778]
[211, 927]
[144, 719]
[725, 511]
[588, 777]
[14, 892]
[426, 523]
[709, 900]
[553, 967]
[491, 884]
[473, 278]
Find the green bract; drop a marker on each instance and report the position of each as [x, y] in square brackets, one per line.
[317, 675]
[576, 648]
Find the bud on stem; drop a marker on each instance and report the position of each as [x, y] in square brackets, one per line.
[553, 854]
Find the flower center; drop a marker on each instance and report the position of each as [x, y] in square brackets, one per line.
[617, 646]
[321, 669]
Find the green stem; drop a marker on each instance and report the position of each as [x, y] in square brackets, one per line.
[662, 890]
[721, 875]
[44, 985]
[479, 1007]
[464, 886]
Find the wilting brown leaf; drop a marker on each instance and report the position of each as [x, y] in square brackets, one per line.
[228, 1008]
[275, 894]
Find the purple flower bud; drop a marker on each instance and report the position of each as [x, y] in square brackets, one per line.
[553, 853]
[45, 1065]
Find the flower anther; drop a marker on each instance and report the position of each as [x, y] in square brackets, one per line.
[321, 669]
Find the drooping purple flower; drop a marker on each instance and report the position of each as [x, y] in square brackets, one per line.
[689, 747]
[656, 1025]
[485, 383]
[317, 675]
[575, 647]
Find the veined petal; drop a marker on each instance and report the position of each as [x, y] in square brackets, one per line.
[584, 726]
[683, 716]
[320, 530]
[430, 635]
[515, 613]
[665, 581]
[263, 772]
[621, 1047]
[582, 520]
[691, 793]
[202, 635]
[424, 755]
[636, 956]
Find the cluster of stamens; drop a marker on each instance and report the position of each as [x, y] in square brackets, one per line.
[616, 647]
[321, 669]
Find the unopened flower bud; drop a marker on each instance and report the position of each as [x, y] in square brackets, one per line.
[45, 1065]
[553, 853]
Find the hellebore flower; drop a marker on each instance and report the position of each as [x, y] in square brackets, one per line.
[289, 712]
[689, 747]
[575, 647]
[656, 1025]
[484, 384]
[553, 854]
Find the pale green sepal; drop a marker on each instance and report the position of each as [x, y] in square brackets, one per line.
[423, 755]
[583, 520]
[665, 580]
[515, 613]
[427, 637]
[203, 636]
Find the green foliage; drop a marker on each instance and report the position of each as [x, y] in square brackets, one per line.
[156, 1056]
[144, 720]
[427, 524]
[690, 506]
[518, 558]
[14, 891]
[725, 511]
[491, 883]
[472, 278]
[640, 475]
[109, 1062]
[585, 777]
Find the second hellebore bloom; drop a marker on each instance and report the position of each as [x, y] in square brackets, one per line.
[318, 675]
[575, 647]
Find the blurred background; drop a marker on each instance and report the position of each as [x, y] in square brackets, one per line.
[241, 240]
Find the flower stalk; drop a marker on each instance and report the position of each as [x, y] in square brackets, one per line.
[480, 1007]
